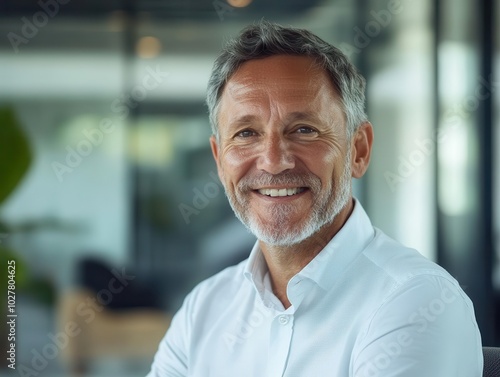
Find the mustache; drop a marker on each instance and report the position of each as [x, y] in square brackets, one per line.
[286, 178]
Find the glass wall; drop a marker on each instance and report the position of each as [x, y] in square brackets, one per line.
[398, 63]
[465, 151]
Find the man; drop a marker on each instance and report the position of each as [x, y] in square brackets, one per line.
[323, 292]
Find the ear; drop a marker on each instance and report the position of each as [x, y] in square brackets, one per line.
[361, 149]
[215, 152]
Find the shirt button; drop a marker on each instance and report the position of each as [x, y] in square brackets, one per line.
[283, 319]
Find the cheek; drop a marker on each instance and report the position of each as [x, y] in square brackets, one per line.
[322, 162]
[235, 162]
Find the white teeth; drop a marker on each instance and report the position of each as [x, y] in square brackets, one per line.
[281, 192]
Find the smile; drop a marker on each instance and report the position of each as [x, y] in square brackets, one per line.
[281, 192]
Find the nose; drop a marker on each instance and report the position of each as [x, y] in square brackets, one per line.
[275, 156]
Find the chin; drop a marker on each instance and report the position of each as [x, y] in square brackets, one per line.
[279, 234]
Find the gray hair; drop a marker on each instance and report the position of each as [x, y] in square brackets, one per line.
[266, 39]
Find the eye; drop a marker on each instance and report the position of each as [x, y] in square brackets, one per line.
[245, 133]
[305, 130]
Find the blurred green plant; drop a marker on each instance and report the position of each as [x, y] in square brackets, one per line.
[15, 153]
[15, 160]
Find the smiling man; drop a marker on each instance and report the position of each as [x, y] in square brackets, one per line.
[323, 292]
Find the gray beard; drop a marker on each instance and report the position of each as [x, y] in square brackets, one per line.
[326, 207]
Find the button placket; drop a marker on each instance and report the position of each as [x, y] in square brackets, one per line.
[280, 342]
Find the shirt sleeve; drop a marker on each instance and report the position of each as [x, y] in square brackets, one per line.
[425, 328]
[171, 359]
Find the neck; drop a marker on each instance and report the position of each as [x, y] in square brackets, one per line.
[284, 262]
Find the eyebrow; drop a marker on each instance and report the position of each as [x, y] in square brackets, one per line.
[245, 119]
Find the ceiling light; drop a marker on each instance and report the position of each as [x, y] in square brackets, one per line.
[148, 47]
[239, 3]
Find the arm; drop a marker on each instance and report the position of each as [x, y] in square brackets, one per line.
[424, 328]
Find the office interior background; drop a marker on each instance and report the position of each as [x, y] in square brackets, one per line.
[120, 212]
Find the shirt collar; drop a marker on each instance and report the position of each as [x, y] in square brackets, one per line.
[326, 268]
[256, 268]
[329, 264]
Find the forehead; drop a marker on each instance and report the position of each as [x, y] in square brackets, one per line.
[278, 85]
[293, 75]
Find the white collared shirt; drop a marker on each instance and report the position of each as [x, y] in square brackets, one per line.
[366, 306]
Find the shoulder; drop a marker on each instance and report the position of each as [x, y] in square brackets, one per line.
[396, 271]
[399, 264]
[405, 282]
